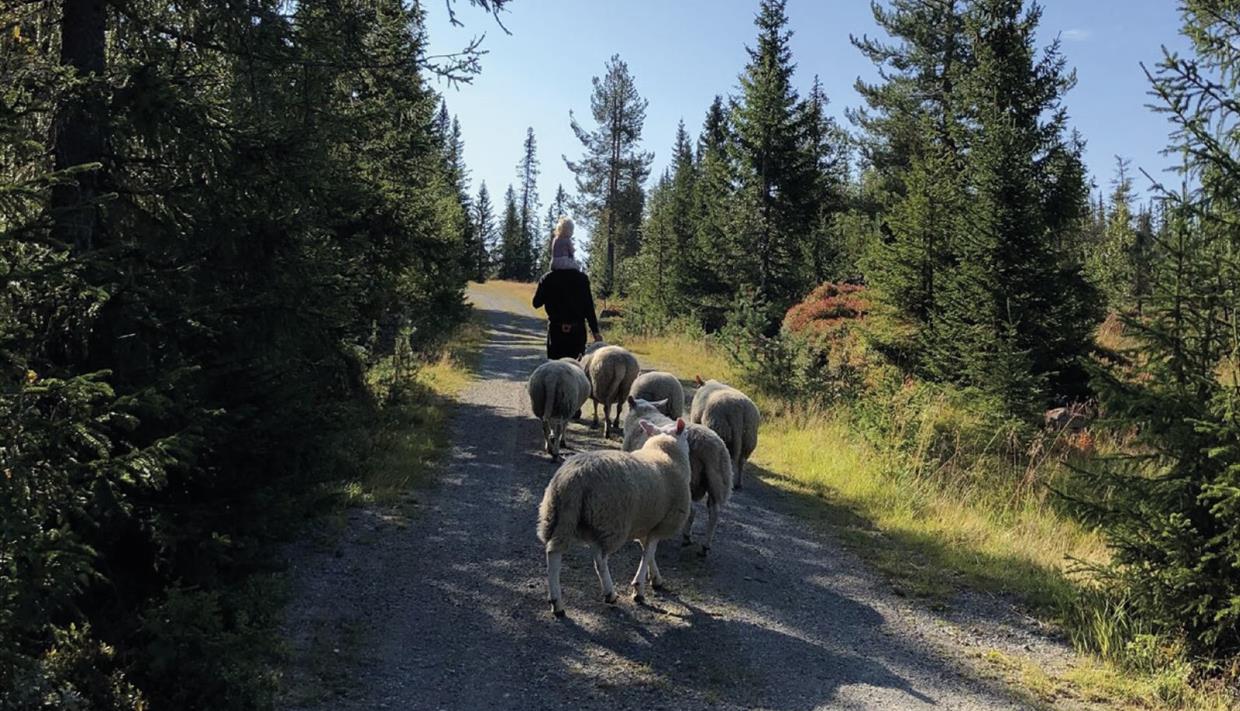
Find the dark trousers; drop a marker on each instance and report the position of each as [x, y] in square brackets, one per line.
[566, 340]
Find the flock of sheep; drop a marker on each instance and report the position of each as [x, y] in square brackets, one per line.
[645, 492]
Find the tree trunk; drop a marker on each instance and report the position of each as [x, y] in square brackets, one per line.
[78, 136]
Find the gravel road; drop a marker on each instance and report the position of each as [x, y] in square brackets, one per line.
[449, 609]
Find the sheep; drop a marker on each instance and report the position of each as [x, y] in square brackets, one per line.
[606, 498]
[710, 465]
[612, 371]
[657, 385]
[732, 415]
[557, 388]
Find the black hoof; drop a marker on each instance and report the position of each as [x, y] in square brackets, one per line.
[702, 553]
[639, 599]
[686, 541]
[658, 586]
[736, 487]
[610, 599]
[558, 613]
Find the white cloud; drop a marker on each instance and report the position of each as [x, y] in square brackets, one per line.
[1075, 35]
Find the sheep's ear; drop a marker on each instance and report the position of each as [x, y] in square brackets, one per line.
[660, 403]
[680, 425]
[648, 428]
[632, 401]
[698, 380]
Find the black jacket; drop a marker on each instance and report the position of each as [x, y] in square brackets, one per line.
[566, 294]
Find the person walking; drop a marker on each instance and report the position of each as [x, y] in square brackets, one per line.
[565, 294]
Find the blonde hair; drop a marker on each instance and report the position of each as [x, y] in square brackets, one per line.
[564, 228]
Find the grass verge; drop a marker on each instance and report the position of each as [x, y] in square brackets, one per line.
[409, 433]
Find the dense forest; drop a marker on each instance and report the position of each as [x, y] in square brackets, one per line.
[216, 218]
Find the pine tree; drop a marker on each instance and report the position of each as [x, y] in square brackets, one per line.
[486, 238]
[612, 171]
[773, 187]
[527, 179]
[1171, 513]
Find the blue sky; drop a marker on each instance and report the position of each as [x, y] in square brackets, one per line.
[682, 53]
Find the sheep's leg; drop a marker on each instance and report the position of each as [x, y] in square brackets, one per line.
[563, 429]
[604, 576]
[656, 578]
[687, 534]
[738, 465]
[712, 511]
[639, 580]
[553, 582]
[606, 420]
[594, 423]
[547, 436]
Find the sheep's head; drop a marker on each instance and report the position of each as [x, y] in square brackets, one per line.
[658, 434]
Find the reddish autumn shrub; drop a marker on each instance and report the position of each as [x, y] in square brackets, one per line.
[827, 310]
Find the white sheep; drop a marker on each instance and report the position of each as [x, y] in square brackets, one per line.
[558, 388]
[733, 416]
[612, 371]
[710, 465]
[606, 498]
[657, 385]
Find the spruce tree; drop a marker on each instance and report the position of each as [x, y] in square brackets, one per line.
[514, 249]
[527, 179]
[824, 154]
[708, 286]
[1017, 315]
[612, 171]
[1171, 513]
[1111, 255]
[659, 278]
[773, 186]
[486, 236]
[912, 136]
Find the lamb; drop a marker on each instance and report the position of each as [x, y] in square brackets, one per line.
[558, 388]
[657, 385]
[710, 466]
[732, 415]
[605, 498]
[612, 371]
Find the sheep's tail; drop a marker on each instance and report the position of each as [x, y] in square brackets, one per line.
[549, 401]
[558, 512]
[719, 486]
[736, 444]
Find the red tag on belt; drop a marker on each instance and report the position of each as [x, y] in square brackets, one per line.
[566, 328]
